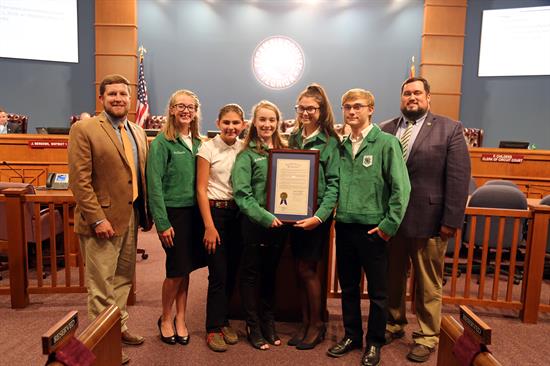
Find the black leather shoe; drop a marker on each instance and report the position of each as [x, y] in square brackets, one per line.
[343, 347]
[371, 357]
[321, 331]
[168, 340]
[183, 340]
[269, 333]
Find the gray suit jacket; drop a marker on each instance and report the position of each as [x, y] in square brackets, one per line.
[439, 171]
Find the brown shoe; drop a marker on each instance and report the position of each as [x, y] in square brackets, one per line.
[125, 358]
[132, 339]
[215, 342]
[420, 353]
[229, 335]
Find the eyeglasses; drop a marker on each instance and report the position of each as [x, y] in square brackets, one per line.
[310, 109]
[356, 107]
[182, 107]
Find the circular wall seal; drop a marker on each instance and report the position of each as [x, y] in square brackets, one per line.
[278, 62]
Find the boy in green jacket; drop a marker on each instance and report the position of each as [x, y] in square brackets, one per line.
[374, 193]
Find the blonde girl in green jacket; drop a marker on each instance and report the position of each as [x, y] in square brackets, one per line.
[263, 233]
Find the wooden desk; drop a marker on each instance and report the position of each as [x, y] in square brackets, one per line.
[529, 169]
[33, 163]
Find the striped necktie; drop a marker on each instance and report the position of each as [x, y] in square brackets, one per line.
[127, 146]
[405, 138]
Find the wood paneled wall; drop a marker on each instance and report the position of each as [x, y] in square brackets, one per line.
[116, 44]
[442, 53]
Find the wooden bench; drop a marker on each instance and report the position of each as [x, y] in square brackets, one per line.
[102, 336]
[472, 327]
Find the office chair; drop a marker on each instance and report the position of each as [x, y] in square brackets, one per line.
[30, 220]
[497, 196]
[473, 136]
[17, 123]
[502, 182]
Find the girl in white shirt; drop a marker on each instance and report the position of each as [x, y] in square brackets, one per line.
[222, 239]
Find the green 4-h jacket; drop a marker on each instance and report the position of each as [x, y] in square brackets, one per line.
[374, 186]
[249, 180]
[329, 159]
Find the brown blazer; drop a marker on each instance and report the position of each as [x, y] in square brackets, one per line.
[439, 171]
[100, 176]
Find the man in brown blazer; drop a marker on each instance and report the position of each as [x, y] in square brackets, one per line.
[107, 156]
[439, 170]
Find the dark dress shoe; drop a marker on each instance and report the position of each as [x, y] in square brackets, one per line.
[183, 340]
[343, 347]
[168, 340]
[420, 353]
[391, 336]
[318, 339]
[371, 357]
[131, 339]
[298, 336]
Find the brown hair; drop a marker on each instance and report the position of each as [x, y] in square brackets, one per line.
[326, 116]
[113, 79]
[169, 127]
[413, 79]
[231, 107]
[253, 132]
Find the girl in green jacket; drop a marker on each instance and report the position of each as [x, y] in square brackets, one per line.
[263, 233]
[171, 191]
[310, 236]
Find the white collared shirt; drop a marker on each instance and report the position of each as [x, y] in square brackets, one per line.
[305, 139]
[188, 140]
[356, 143]
[221, 158]
[414, 133]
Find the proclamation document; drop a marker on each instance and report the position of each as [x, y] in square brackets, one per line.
[292, 185]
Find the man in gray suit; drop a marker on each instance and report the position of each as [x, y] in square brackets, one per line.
[439, 170]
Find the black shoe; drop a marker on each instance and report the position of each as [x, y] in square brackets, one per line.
[183, 340]
[371, 357]
[321, 331]
[168, 340]
[298, 336]
[254, 335]
[391, 336]
[269, 333]
[343, 347]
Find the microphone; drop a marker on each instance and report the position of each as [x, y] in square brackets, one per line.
[16, 172]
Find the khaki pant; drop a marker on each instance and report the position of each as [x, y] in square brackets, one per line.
[427, 257]
[110, 267]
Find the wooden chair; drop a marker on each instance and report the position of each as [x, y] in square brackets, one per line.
[102, 337]
[473, 136]
[17, 123]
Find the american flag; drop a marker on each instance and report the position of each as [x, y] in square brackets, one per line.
[142, 108]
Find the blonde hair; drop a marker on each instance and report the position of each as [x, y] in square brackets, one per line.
[358, 93]
[169, 128]
[253, 132]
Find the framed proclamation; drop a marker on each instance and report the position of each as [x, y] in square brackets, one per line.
[292, 183]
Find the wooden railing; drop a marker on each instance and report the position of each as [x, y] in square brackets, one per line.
[490, 278]
[32, 271]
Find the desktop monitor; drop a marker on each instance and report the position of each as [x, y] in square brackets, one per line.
[513, 144]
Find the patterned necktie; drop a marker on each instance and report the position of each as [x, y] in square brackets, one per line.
[405, 138]
[127, 146]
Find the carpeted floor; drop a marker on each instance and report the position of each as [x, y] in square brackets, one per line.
[514, 343]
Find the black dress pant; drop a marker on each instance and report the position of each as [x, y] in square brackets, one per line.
[356, 250]
[260, 259]
[222, 267]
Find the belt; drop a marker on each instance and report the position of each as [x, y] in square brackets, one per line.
[228, 204]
